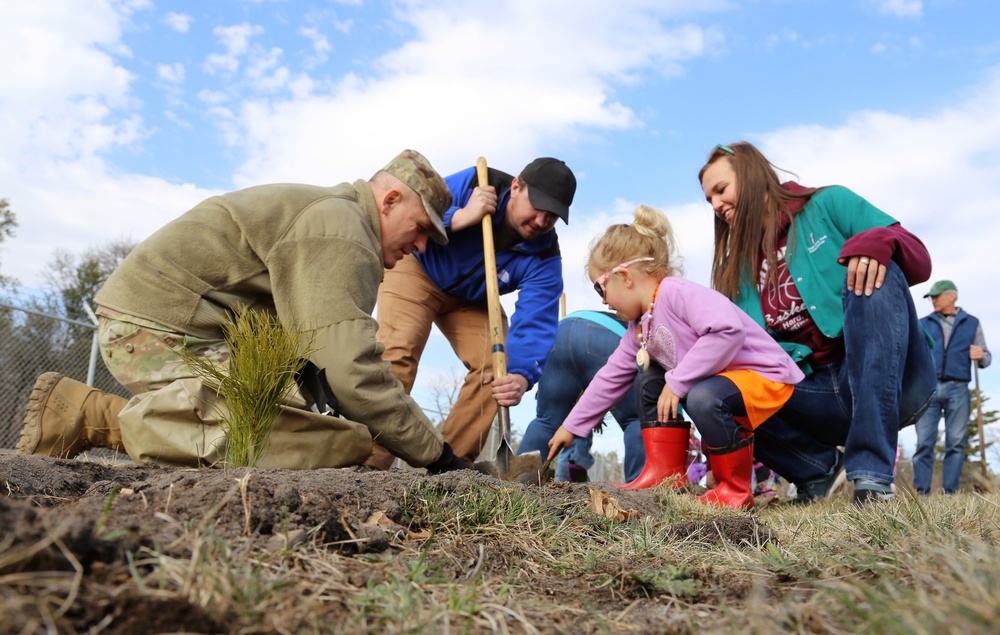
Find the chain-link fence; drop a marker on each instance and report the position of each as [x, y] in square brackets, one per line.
[33, 342]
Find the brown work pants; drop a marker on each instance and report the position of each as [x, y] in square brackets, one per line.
[408, 304]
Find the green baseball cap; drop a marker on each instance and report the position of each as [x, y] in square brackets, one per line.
[415, 170]
[940, 287]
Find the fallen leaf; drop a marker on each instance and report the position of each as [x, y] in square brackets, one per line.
[603, 505]
[379, 519]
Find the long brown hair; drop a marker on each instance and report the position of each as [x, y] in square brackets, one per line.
[761, 206]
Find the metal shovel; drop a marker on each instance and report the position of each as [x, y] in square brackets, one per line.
[525, 467]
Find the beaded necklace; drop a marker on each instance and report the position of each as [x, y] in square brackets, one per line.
[642, 333]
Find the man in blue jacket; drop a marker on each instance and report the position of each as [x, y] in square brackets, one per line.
[958, 343]
[446, 286]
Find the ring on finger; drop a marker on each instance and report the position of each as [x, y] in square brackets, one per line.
[864, 261]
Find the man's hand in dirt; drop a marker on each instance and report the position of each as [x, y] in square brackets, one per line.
[561, 439]
[507, 390]
[447, 462]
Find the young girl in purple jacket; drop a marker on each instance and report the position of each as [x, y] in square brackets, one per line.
[685, 345]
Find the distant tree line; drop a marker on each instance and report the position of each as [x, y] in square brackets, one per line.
[31, 343]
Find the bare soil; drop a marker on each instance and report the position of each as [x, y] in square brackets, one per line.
[88, 520]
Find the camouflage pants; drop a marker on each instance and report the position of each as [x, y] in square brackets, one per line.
[173, 418]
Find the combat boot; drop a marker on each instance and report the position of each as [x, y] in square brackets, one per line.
[65, 417]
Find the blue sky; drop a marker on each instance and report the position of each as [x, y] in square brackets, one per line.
[116, 116]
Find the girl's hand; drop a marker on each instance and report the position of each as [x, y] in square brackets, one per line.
[561, 439]
[666, 405]
[864, 274]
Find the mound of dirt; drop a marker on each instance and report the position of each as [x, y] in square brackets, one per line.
[86, 519]
[264, 502]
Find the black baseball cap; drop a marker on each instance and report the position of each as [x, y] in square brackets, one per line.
[551, 186]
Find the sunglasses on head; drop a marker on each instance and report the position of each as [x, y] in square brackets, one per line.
[603, 278]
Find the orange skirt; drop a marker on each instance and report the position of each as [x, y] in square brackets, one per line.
[762, 397]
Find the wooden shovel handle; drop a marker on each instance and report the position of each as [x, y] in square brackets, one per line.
[492, 285]
[979, 418]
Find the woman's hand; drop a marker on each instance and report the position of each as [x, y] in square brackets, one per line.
[864, 274]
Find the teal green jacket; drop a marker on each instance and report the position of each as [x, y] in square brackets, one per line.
[832, 216]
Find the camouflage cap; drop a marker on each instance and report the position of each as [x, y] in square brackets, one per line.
[415, 170]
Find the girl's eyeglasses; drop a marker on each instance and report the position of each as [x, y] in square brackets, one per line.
[603, 278]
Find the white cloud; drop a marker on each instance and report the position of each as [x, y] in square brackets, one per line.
[59, 83]
[79, 203]
[212, 97]
[180, 22]
[177, 120]
[172, 73]
[320, 45]
[265, 72]
[236, 42]
[899, 8]
[516, 91]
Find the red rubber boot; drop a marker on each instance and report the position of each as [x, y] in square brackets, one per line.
[666, 445]
[731, 466]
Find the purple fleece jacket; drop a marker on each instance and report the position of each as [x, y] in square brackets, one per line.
[696, 334]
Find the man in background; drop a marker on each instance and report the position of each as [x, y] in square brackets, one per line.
[958, 343]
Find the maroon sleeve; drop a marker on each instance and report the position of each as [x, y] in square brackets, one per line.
[883, 243]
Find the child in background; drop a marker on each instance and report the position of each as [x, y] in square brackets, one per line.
[697, 465]
[765, 481]
[684, 343]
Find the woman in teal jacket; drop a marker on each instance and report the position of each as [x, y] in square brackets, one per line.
[828, 275]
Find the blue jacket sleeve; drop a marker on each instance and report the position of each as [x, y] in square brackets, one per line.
[461, 185]
[535, 320]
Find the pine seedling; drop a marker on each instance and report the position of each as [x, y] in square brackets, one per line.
[264, 358]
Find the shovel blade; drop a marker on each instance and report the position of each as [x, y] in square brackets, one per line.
[523, 468]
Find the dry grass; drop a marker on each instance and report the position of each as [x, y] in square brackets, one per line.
[512, 560]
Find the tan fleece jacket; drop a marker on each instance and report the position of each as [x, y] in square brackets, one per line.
[311, 254]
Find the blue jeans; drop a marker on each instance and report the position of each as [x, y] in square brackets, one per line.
[712, 405]
[883, 384]
[578, 452]
[582, 348]
[952, 399]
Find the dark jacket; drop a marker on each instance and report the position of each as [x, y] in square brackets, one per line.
[952, 362]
